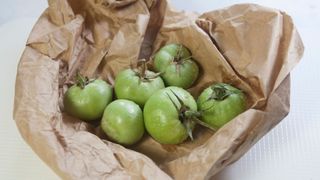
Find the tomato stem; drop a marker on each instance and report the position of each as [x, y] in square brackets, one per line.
[184, 59]
[220, 92]
[198, 121]
[141, 69]
[81, 81]
[188, 124]
[178, 57]
[187, 116]
[178, 60]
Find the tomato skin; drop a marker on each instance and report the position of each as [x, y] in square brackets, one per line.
[162, 118]
[217, 113]
[129, 86]
[122, 121]
[181, 74]
[88, 103]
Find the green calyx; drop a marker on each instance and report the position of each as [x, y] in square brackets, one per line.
[221, 92]
[140, 69]
[178, 59]
[82, 81]
[187, 116]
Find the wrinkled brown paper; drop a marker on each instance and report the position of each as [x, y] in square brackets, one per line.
[249, 46]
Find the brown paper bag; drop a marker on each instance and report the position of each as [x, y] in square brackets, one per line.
[249, 46]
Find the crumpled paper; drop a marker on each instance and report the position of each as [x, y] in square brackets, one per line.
[247, 45]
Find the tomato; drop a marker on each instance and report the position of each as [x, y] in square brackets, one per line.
[132, 85]
[220, 103]
[167, 115]
[176, 65]
[87, 100]
[122, 121]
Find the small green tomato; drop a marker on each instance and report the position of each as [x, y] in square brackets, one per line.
[220, 103]
[87, 100]
[132, 85]
[122, 121]
[169, 115]
[176, 65]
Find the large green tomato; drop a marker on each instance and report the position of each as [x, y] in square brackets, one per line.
[129, 85]
[220, 103]
[122, 121]
[89, 101]
[166, 118]
[176, 65]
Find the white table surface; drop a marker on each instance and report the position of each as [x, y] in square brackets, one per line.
[290, 151]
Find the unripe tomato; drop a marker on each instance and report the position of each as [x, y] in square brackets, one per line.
[122, 121]
[167, 115]
[88, 100]
[129, 85]
[176, 65]
[220, 103]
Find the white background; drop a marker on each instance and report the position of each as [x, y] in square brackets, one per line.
[290, 151]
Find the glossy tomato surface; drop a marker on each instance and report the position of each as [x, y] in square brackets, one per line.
[220, 106]
[122, 121]
[162, 119]
[128, 85]
[175, 63]
[89, 102]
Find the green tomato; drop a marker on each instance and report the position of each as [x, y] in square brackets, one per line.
[220, 103]
[88, 102]
[129, 85]
[122, 121]
[162, 118]
[176, 66]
